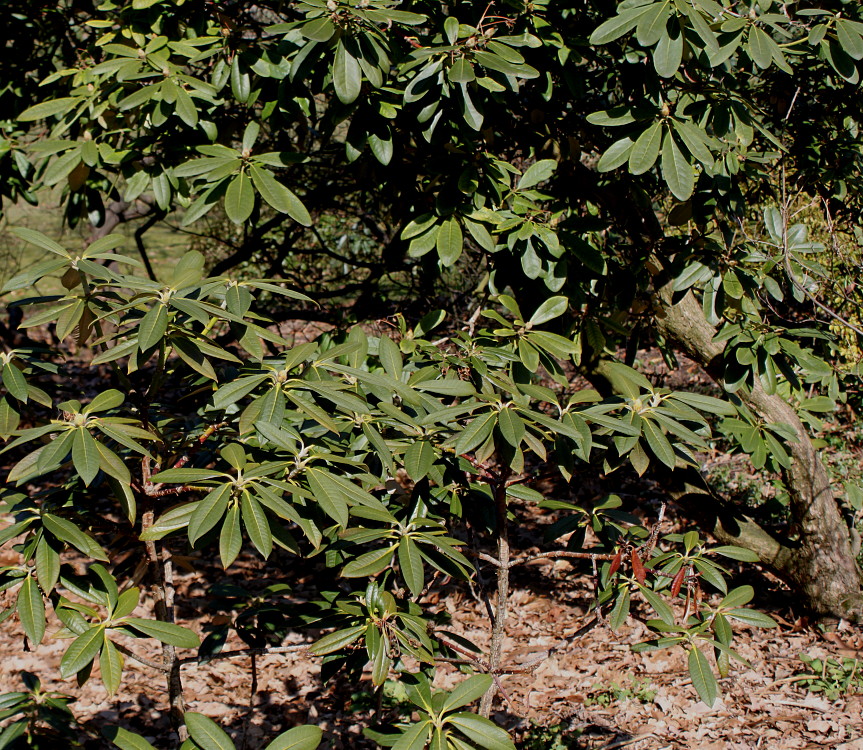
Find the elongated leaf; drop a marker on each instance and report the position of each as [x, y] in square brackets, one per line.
[239, 198]
[676, 170]
[85, 455]
[369, 564]
[31, 610]
[481, 731]
[659, 444]
[753, 617]
[476, 432]
[337, 641]
[702, 677]
[616, 27]
[645, 152]
[166, 632]
[47, 565]
[347, 75]
[552, 308]
[468, 691]
[152, 327]
[209, 512]
[206, 733]
[536, 173]
[298, 738]
[126, 740]
[328, 494]
[411, 565]
[257, 526]
[230, 538]
[111, 666]
[51, 108]
[419, 459]
[449, 242]
[82, 651]
[278, 196]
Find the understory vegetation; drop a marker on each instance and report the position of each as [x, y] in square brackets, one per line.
[393, 300]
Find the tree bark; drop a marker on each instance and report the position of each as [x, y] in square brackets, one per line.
[819, 563]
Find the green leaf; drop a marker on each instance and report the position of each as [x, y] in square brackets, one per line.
[668, 54]
[652, 24]
[15, 382]
[848, 36]
[43, 110]
[206, 733]
[230, 538]
[758, 47]
[659, 444]
[126, 740]
[550, 309]
[511, 426]
[476, 432]
[47, 565]
[166, 632]
[467, 692]
[752, 617]
[418, 459]
[411, 565]
[461, 71]
[738, 597]
[616, 27]
[209, 512]
[278, 196]
[109, 399]
[328, 494]
[645, 152]
[111, 666]
[67, 531]
[174, 520]
[127, 601]
[616, 155]
[347, 75]
[82, 651]
[538, 172]
[152, 327]
[702, 676]
[298, 738]
[676, 170]
[318, 30]
[85, 455]
[736, 553]
[239, 198]
[337, 641]
[257, 527]
[369, 563]
[481, 731]
[31, 610]
[449, 242]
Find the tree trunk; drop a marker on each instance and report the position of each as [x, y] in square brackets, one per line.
[819, 563]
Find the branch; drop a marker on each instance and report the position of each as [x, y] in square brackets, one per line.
[141, 659]
[300, 647]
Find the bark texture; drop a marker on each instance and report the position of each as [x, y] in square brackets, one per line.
[819, 564]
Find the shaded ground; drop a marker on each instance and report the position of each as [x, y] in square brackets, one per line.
[569, 701]
[592, 692]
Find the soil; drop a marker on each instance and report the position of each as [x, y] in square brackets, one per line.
[593, 691]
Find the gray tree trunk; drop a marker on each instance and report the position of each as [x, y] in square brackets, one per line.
[819, 563]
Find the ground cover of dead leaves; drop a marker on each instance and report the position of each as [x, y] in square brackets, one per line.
[760, 707]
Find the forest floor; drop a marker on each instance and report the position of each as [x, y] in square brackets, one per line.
[593, 691]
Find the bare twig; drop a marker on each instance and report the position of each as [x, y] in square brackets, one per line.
[265, 651]
[141, 659]
[499, 628]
